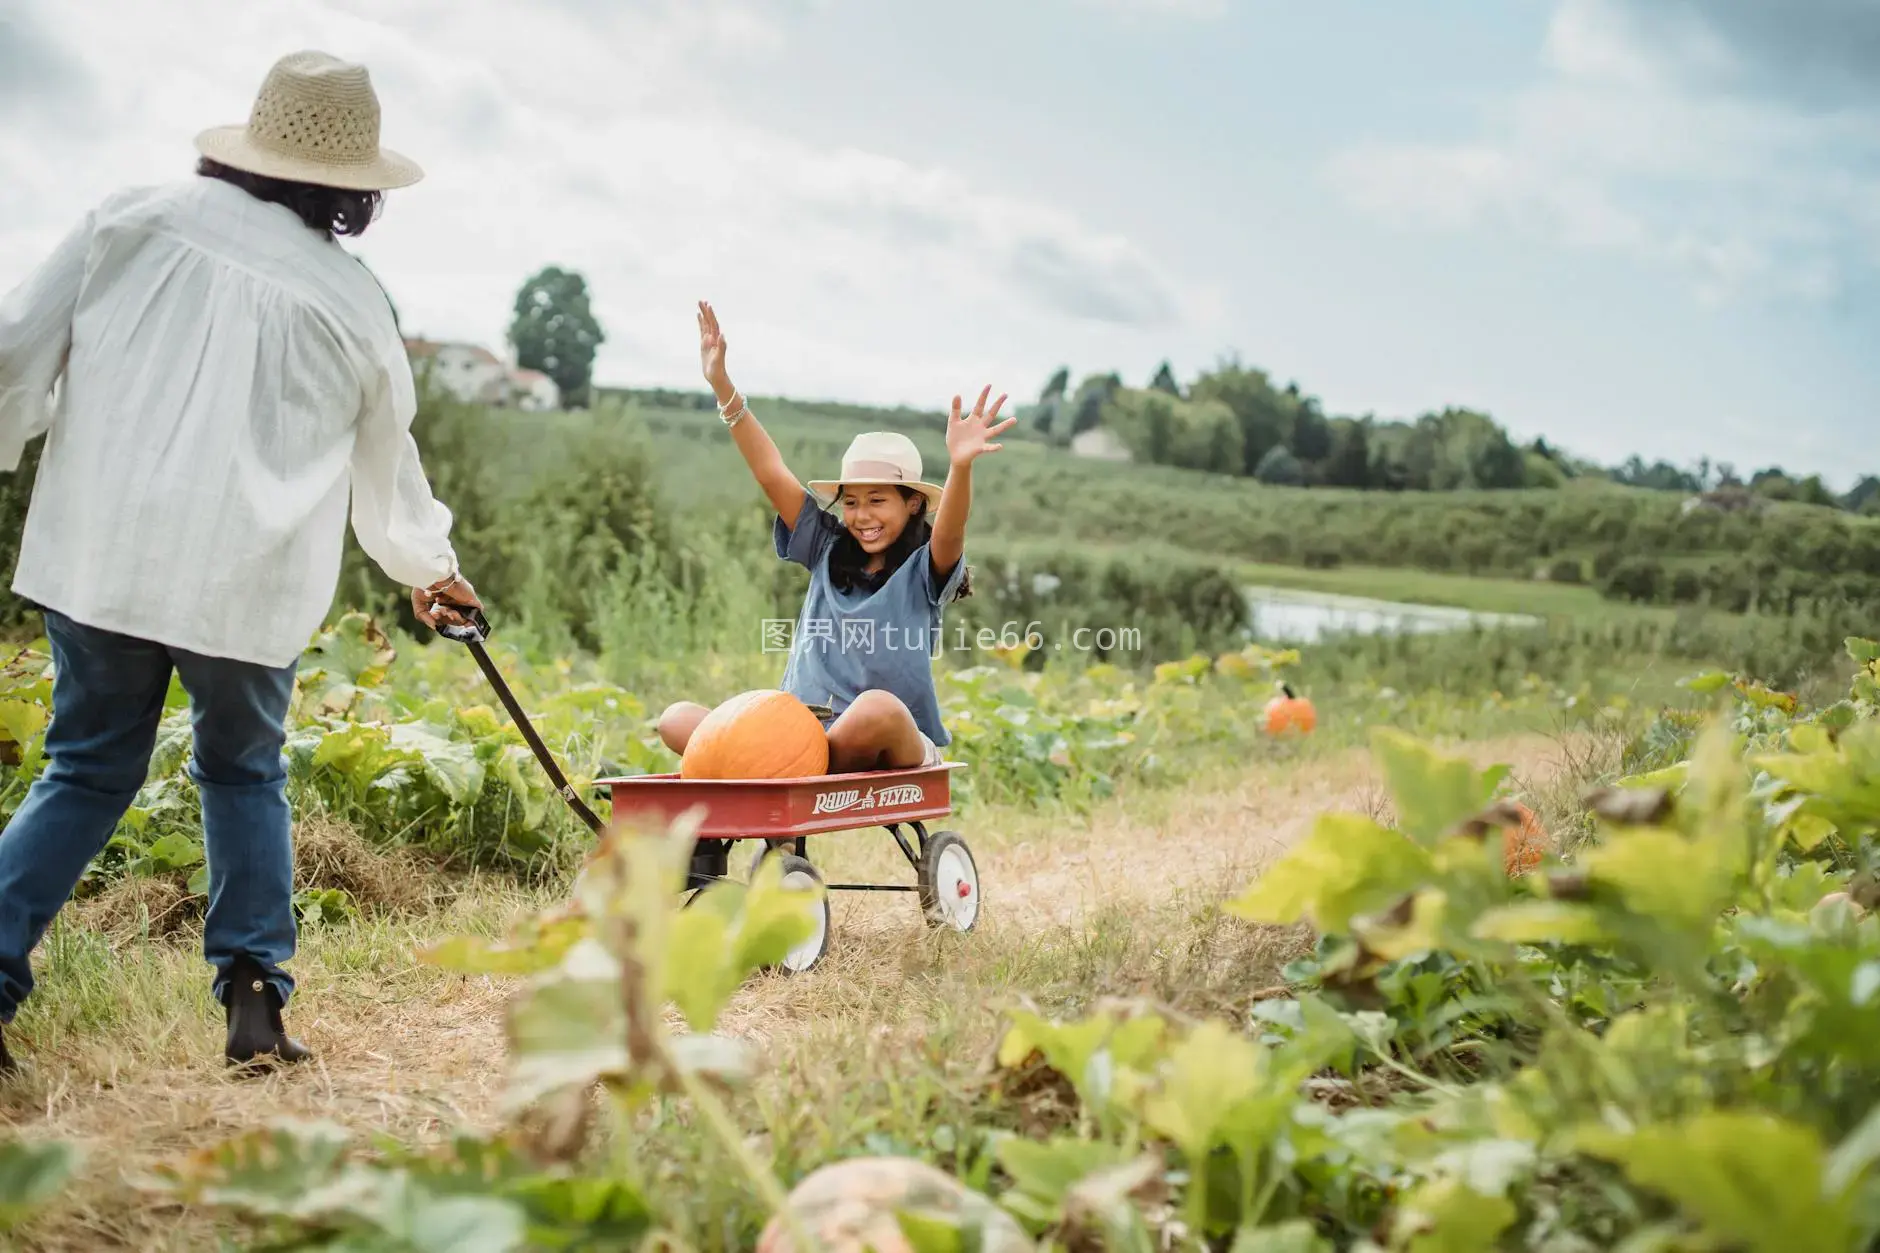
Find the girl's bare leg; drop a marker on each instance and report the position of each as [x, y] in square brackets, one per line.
[679, 721]
[876, 732]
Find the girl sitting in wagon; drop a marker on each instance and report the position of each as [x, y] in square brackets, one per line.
[880, 575]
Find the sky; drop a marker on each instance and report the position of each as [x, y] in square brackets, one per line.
[1628, 226]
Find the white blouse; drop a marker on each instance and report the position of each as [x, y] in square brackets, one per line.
[228, 377]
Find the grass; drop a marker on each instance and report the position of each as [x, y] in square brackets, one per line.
[880, 1049]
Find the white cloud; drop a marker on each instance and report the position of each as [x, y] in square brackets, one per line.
[1649, 133]
[584, 134]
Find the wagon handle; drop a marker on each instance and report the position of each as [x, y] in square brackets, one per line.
[474, 631]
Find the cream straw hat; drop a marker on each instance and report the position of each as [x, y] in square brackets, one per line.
[878, 457]
[315, 120]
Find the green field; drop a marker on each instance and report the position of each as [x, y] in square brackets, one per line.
[1231, 989]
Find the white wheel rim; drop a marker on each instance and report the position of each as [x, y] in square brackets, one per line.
[804, 955]
[956, 887]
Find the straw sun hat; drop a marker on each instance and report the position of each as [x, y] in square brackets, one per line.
[315, 120]
[878, 457]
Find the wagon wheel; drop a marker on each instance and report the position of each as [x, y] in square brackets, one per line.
[801, 876]
[949, 882]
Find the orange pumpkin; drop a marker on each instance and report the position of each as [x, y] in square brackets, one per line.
[1287, 712]
[1523, 846]
[761, 734]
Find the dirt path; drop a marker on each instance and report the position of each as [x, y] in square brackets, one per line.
[406, 1052]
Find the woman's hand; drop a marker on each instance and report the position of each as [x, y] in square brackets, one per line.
[969, 436]
[434, 604]
[711, 352]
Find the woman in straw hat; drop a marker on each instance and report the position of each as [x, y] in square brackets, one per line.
[879, 576]
[228, 376]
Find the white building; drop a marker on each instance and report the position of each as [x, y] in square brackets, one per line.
[533, 390]
[1101, 444]
[475, 375]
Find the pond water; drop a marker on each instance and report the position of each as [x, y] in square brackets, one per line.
[1285, 616]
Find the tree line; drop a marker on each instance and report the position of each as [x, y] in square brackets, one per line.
[1235, 419]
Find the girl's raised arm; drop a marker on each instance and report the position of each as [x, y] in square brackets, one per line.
[968, 438]
[760, 453]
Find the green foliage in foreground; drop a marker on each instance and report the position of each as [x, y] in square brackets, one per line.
[1662, 1041]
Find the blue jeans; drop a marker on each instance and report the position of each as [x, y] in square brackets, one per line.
[107, 700]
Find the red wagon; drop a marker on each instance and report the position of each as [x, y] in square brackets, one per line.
[781, 814]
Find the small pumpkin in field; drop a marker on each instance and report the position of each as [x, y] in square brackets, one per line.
[849, 1207]
[1288, 713]
[760, 734]
[1523, 843]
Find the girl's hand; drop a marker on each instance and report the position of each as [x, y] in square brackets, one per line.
[711, 352]
[969, 436]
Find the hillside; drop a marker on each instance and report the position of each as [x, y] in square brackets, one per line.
[1636, 544]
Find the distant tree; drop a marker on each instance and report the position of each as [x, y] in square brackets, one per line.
[1349, 462]
[1772, 484]
[1051, 402]
[1280, 467]
[1092, 394]
[1166, 430]
[1659, 476]
[1265, 413]
[1864, 495]
[1542, 471]
[1164, 381]
[555, 331]
[1812, 491]
[1311, 439]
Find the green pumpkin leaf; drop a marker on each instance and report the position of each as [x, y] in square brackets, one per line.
[279, 1171]
[175, 851]
[1853, 1157]
[21, 721]
[1295, 1236]
[775, 918]
[569, 1028]
[31, 1174]
[1541, 922]
[1433, 792]
[1349, 865]
[537, 946]
[1447, 1216]
[1633, 861]
[1751, 1180]
[451, 765]
[700, 977]
[1044, 1173]
[1212, 1081]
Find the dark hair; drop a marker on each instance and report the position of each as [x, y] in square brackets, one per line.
[848, 563]
[329, 210]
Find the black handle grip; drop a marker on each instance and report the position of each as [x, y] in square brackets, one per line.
[474, 630]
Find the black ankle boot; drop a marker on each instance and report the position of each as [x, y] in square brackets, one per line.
[255, 1033]
[7, 1065]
